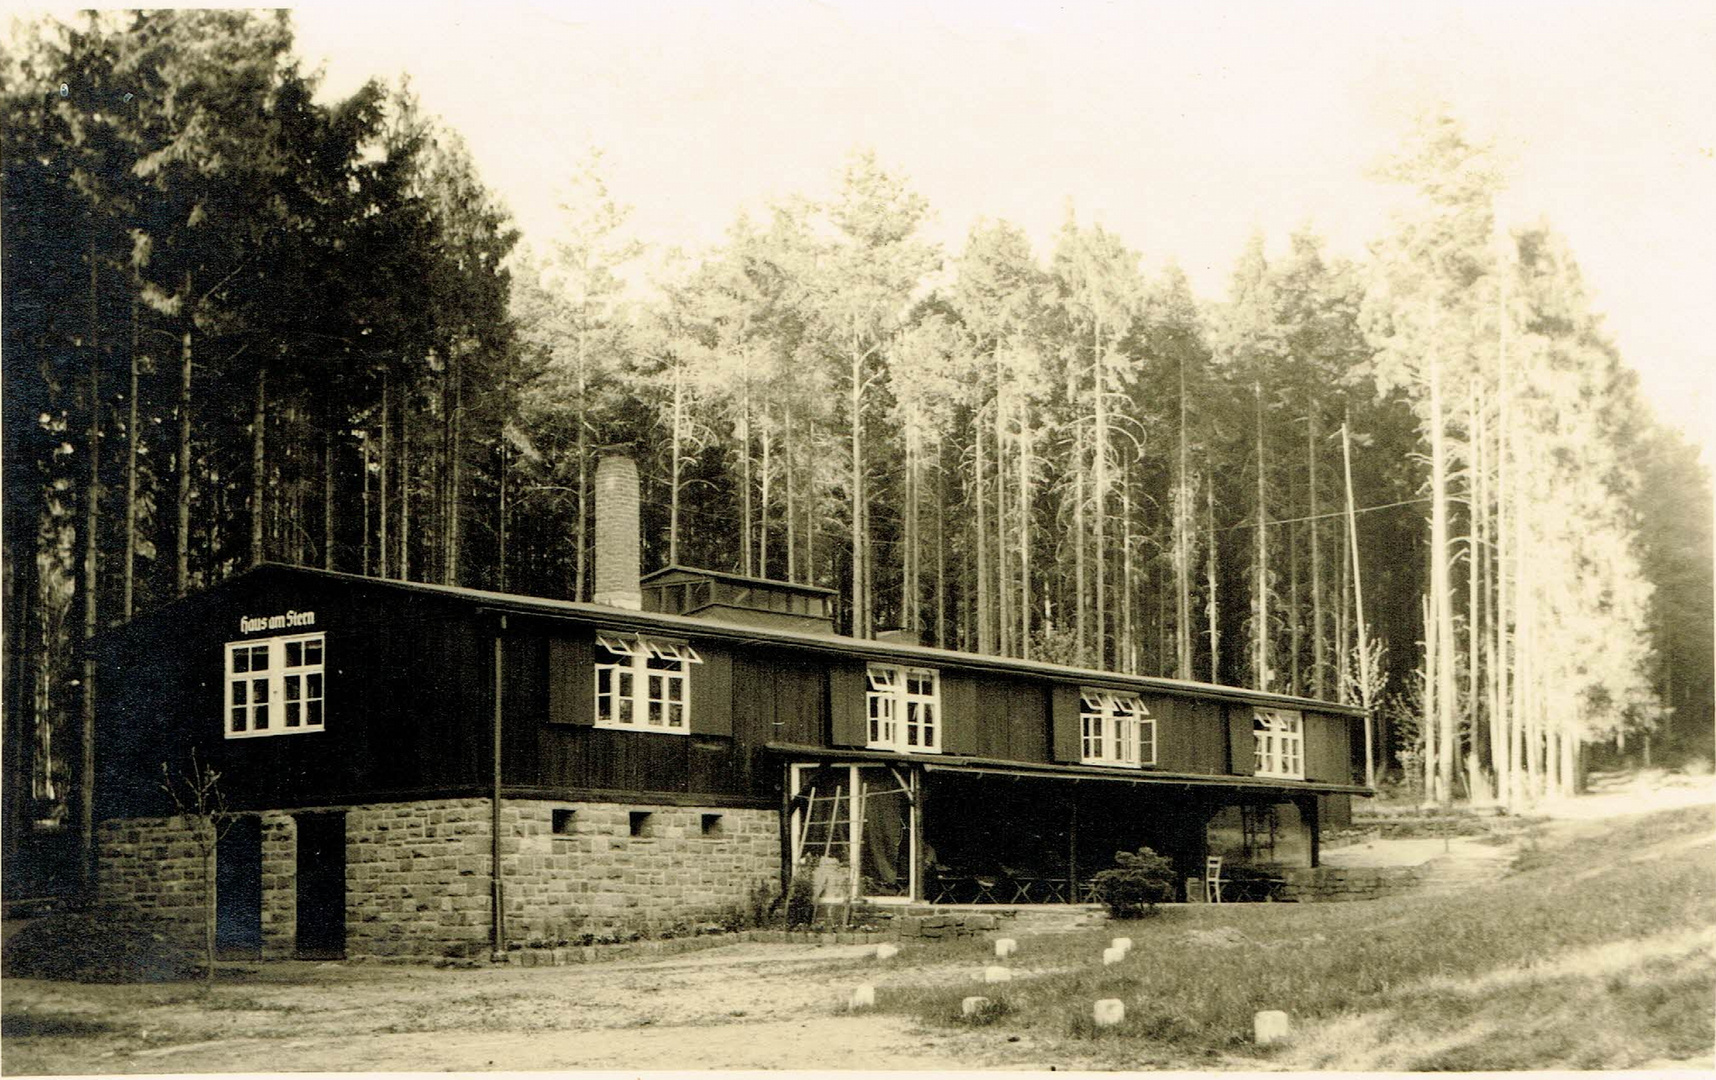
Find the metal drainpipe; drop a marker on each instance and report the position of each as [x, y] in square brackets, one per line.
[496, 892]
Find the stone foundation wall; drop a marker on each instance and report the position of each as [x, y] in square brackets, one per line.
[155, 867]
[279, 886]
[1327, 883]
[417, 878]
[596, 877]
[418, 873]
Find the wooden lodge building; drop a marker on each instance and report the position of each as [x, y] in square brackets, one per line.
[428, 770]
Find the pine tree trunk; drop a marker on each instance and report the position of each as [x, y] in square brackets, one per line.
[453, 412]
[91, 586]
[1182, 544]
[382, 550]
[985, 643]
[1295, 627]
[1441, 591]
[1319, 628]
[404, 494]
[941, 636]
[1024, 536]
[678, 435]
[258, 463]
[581, 530]
[1210, 608]
[857, 424]
[182, 540]
[1003, 590]
[1479, 766]
[745, 478]
[328, 495]
[1099, 472]
[1260, 571]
[132, 435]
[791, 505]
[763, 503]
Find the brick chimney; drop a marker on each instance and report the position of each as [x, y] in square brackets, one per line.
[617, 532]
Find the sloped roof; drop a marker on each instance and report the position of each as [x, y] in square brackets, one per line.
[824, 643]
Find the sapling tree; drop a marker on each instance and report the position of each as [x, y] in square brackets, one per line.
[197, 795]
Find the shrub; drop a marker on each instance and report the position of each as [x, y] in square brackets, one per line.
[102, 946]
[800, 907]
[1138, 882]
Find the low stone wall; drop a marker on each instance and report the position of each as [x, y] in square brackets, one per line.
[927, 922]
[1329, 883]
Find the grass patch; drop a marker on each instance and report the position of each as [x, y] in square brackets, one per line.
[1198, 974]
[55, 1026]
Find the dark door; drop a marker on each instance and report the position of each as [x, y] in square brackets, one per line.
[238, 890]
[322, 886]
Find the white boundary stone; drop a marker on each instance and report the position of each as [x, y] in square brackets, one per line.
[1108, 1012]
[1270, 1025]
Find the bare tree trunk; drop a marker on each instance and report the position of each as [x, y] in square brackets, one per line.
[1003, 589]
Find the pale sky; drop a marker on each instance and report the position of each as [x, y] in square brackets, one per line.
[1180, 126]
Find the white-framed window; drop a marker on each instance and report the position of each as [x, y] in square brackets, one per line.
[275, 686]
[1279, 737]
[644, 684]
[1115, 729]
[905, 709]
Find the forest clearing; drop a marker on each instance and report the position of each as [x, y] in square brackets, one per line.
[1594, 949]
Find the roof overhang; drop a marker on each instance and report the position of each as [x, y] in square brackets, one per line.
[1066, 773]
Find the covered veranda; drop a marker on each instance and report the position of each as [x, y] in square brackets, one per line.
[886, 828]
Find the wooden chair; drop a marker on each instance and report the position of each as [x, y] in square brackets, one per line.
[1212, 879]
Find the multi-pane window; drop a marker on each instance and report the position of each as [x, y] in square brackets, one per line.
[275, 686]
[643, 684]
[1279, 740]
[904, 709]
[1115, 729]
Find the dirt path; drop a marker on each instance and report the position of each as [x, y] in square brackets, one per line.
[736, 1007]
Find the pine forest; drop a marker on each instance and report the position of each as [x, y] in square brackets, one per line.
[244, 324]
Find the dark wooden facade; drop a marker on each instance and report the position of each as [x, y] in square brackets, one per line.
[411, 705]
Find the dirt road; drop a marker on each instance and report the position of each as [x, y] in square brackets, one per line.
[745, 1006]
